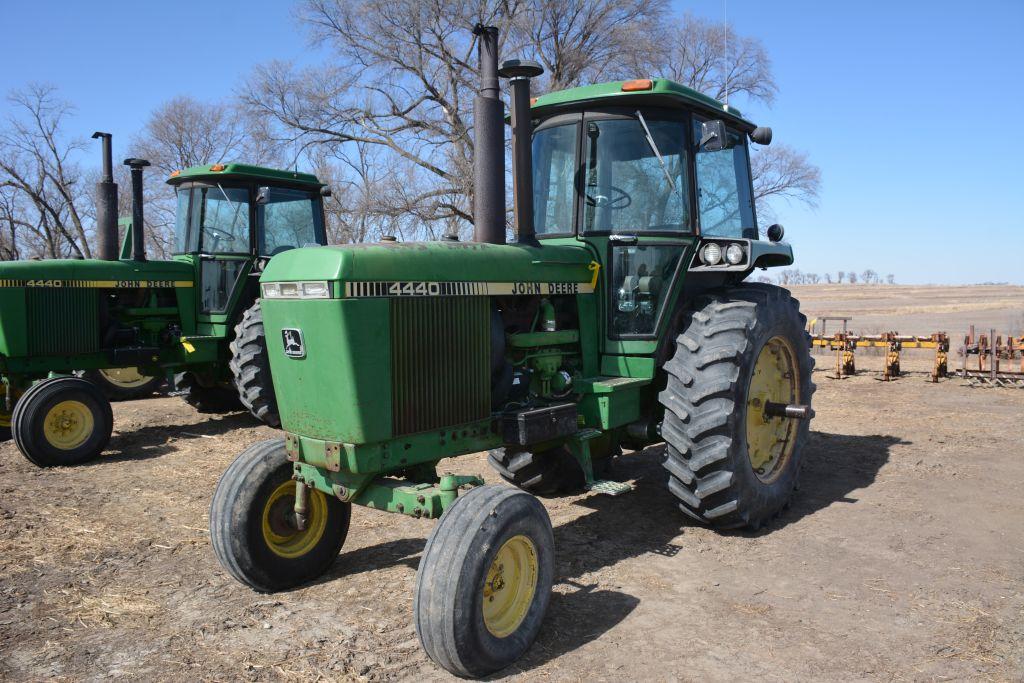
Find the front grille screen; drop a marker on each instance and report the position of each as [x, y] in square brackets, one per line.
[62, 320]
[440, 362]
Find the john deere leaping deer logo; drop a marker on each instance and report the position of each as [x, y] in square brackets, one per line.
[294, 347]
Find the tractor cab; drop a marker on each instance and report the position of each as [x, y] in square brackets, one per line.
[646, 173]
[231, 219]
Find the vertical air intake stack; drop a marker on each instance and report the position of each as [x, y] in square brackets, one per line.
[489, 144]
[138, 224]
[106, 204]
[519, 72]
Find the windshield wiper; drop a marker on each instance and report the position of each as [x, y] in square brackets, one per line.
[654, 148]
[238, 207]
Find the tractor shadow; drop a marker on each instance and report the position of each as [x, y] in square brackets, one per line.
[644, 522]
[153, 441]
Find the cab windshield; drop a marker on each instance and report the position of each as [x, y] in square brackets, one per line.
[634, 176]
[216, 219]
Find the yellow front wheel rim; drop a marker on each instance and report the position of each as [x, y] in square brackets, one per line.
[776, 379]
[510, 585]
[127, 378]
[279, 529]
[68, 425]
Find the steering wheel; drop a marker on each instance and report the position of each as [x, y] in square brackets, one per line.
[619, 199]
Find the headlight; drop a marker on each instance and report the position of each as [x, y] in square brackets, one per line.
[315, 290]
[711, 255]
[734, 254]
[296, 290]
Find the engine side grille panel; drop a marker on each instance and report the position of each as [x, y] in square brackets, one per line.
[440, 362]
[62, 321]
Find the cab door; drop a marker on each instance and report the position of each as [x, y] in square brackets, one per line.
[225, 254]
[636, 210]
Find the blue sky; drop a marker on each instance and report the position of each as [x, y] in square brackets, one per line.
[911, 109]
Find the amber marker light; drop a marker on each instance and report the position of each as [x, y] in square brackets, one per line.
[637, 84]
[217, 167]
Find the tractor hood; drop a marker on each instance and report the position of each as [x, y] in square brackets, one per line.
[94, 273]
[433, 262]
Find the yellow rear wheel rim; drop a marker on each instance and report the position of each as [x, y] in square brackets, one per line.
[776, 379]
[127, 378]
[510, 585]
[279, 529]
[68, 425]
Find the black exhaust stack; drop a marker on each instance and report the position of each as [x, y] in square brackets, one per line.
[519, 72]
[489, 144]
[106, 205]
[138, 224]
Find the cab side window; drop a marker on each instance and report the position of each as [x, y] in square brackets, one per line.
[724, 200]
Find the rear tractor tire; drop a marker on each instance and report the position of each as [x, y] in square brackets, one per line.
[484, 582]
[122, 384]
[205, 399]
[62, 421]
[732, 464]
[252, 523]
[250, 365]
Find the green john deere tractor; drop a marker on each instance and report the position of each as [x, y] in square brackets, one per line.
[195, 319]
[620, 316]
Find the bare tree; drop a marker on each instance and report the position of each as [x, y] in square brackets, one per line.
[580, 41]
[828, 278]
[890, 279]
[869, 277]
[404, 73]
[852, 277]
[839, 277]
[44, 195]
[708, 57]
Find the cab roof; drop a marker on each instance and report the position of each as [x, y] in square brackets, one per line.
[212, 172]
[661, 92]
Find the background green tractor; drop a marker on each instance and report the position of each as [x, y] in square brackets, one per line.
[620, 316]
[128, 321]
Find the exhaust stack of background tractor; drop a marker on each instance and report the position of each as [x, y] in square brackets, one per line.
[138, 224]
[106, 204]
[489, 144]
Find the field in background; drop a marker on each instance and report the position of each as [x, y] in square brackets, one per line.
[921, 310]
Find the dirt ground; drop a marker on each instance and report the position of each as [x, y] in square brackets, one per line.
[917, 309]
[901, 558]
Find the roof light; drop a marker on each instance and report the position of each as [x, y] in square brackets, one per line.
[637, 84]
[217, 167]
[533, 100]
[175, 174]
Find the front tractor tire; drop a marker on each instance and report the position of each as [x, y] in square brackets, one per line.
[731, 463]
[253, 528]
[62, 421]
[250, 366]
[484, 582]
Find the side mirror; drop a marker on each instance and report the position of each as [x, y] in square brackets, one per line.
[775, 232]
[325, 191]
[713, 137]
[263, 195]
[762, 135]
